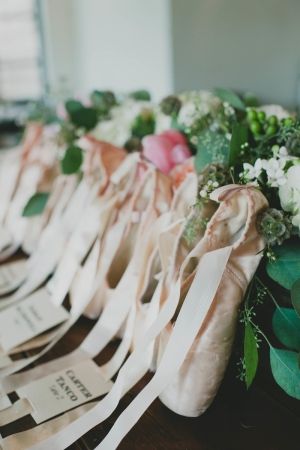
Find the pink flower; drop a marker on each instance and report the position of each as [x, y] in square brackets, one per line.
[166, 150]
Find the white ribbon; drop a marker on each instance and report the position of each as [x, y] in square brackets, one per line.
[191, 316]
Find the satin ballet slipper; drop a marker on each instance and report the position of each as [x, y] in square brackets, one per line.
[120, 241]
[136, 365]
[15, 273]
[93, 223]
[195, 385]
[50, 245]
[184, 198]
[39, 170]
[142, 259]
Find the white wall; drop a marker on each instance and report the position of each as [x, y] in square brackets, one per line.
[176, 44]
[59, 36]
[117, 44]
[248, 45]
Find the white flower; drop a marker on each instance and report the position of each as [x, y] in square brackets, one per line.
[188, 114]
[289, 194]
[195, 105]
[274, 168]
[117, 130]
[252, 172]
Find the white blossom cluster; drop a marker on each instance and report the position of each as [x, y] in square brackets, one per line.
[285, 177]
[117, 129]
[195, 105]
[273, 167]
[289, 194]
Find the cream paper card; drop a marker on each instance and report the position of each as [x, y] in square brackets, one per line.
[29, 318]
[64, 390]
[12, 275]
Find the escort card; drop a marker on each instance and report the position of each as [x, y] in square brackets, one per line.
[64, 390]
[12, 275]
[4, 361]
[28, 318]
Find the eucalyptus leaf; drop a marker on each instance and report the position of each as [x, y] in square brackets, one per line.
[212, 148]
[227, 95]
[238, 138]
[72, 160]
[86, 118]
[141, 95]
[143, 125]
[285, 370]
[102, 101]
[73, 105]
[250, 354]
[285, 270]
[286, 326]
[36, 204]
[295, 296]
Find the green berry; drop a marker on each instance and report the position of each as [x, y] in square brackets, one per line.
[251, 114]
[261, 115]
[288, 122]
[255, 127]
[271, 130]
[272, 120]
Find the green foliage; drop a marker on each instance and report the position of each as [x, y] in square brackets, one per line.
[212, 148]
[295, 296]
[72, 160]
[84, 118]
[103, 101]
[285, 369]
[36, 204]
[141, 95]
[285, 270]
[72, 106]
[227, 95]
[286, 326]
[81, 116]
[250, 354]
[239, 138]
[143, 125]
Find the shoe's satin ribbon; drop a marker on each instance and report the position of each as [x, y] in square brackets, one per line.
[193, 313]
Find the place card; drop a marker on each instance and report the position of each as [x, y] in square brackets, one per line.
[12, 275]
[64, 390]
[28, 318]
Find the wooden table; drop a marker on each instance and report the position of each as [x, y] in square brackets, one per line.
[263, 418]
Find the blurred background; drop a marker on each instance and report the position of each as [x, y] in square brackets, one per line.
[51, 49]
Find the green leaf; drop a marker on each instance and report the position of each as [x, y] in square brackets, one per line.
[212, 148]
[84, 118]
[286, 326]
[143, 125]
[102, 101]
[141, 95]
[72, 160]
[227, 95]
[286, 269]
[72, 106]
[250, 354]
[285, 369]
[36, 204]
[238, 138]
[295, 296]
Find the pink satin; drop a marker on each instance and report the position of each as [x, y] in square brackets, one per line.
[196, 384]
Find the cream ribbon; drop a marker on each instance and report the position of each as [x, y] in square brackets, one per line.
[190, 319]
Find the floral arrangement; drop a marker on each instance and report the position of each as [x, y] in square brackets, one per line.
[233, 140]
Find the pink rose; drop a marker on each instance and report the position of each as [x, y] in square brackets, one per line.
[166, 150]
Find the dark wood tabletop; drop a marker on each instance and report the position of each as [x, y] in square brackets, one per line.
[263, 418]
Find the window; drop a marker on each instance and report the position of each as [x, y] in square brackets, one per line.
[20, 65]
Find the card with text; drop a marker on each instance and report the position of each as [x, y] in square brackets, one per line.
[64, 390]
